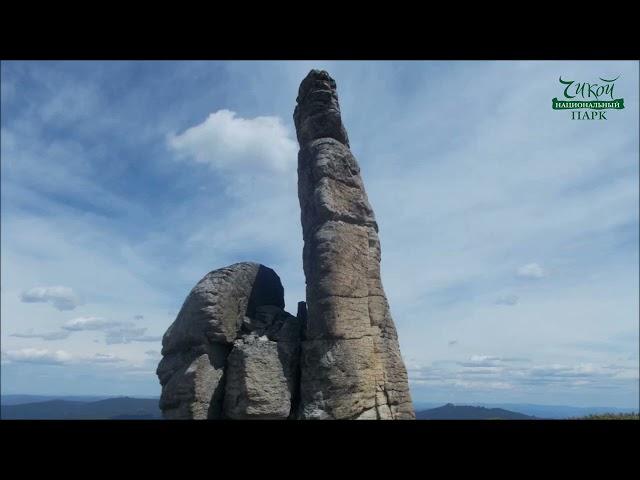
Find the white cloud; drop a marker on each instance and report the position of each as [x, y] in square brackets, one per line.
[481, 385]
[62, 298]
[90, 323]
[56, 357]
[115, 332]
[129, 334]
[482, 361]
[531, 270]
[490, 361]
[231, 143]
[35, 355]
[103, 358]
[482, 358]
[61, 335]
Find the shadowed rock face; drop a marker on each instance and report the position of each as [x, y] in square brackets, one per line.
[351, 365]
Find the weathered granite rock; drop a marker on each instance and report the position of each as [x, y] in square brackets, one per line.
[209, 347]
[214, 310]
[192, 383]
[317, 114]
[262, 379]
[351, 367]
[263, 367]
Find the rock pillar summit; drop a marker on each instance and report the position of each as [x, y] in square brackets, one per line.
[233, 352]
[351, 367]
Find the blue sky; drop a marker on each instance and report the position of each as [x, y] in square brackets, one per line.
[509, 232]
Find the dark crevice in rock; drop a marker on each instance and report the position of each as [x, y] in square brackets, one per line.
[301, 315]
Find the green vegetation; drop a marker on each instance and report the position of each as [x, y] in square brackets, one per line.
[611, 416]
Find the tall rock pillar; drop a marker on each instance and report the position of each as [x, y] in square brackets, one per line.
[351, 367]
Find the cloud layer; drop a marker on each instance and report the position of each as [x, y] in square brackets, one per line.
[520, 378]
[37, 356]
[55, 357]
[90, 323]
[62, 298]
[60, 335]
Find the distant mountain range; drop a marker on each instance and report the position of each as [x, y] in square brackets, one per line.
[539, 411]
[128, 408]
[125, 408]
[20, 399]
[120, 408]
[466, 412]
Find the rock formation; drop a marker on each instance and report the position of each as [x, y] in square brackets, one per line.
[351, 363]
[233, 352]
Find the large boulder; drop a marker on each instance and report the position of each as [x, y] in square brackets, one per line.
[215, 308]
[204, 346]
